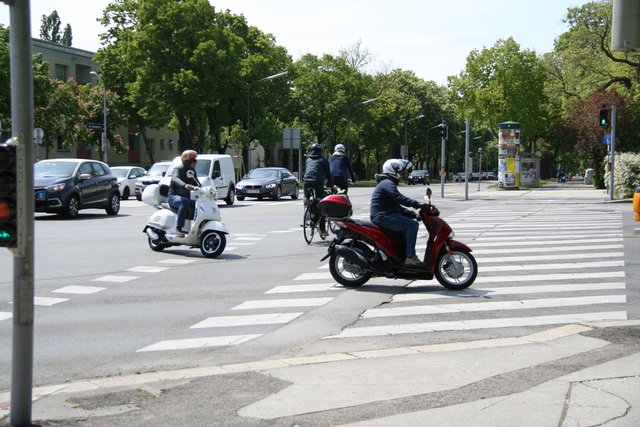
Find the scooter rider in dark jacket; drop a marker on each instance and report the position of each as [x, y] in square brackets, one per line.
[316, 172]
[183, 179]
[387, 206]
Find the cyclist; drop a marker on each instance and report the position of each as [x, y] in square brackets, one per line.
[341, 170]
[316, 173]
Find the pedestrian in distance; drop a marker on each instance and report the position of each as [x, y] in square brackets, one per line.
[341, 170]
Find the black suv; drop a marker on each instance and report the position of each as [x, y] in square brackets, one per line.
[418, 176]
[64, 186]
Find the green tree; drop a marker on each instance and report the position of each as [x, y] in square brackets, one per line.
[50, 30]
[67, 36]
[502, 83]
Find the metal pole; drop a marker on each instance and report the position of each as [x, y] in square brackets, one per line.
[105, 144]
[248, 129]
[479, 167]
[466, 157]
[442, 162]
[22, 130]
[613, 149]
[349, 135]
[405, 138]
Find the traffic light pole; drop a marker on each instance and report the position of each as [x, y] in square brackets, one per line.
[613, 150]
[443, 134]
[23, 292]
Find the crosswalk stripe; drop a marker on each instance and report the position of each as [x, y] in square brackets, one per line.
[147, 269]
[314, 276]
[254, 319]
[84, 290]
[545, 249]
[557, 266]
[184, 344]
[493, 305]
[177, 261]
[464, 325]
[5, 315]
[516, 242]
[115, 279]
[492, 238]
[550, 257]
[503, 290]
[281, 303]
[547, 277]
[304, 288]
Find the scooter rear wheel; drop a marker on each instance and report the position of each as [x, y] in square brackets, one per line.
[156, 247]
[456, 271]
[346, 273]
[212, 243]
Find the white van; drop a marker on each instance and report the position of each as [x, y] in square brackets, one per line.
[212, 169]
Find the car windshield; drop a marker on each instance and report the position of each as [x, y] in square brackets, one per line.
[263, 173]
[202, 167]
[53, 169]
[417, 173]
[158, 169]
[119, 173]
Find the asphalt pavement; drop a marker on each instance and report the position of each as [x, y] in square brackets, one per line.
[578, 374]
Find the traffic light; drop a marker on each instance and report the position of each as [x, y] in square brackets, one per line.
[443, 130]
[604, 117]
[8, 201]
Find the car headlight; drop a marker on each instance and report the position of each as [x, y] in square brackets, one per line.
[55, 187]
[271, 186]
[239, 186]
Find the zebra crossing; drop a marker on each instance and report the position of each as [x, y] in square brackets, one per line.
[545, 266]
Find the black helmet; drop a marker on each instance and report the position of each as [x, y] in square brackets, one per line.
[316, 149]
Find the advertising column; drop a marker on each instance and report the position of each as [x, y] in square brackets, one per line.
[509, 155]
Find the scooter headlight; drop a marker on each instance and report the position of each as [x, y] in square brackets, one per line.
[212, 192]
[452, 235]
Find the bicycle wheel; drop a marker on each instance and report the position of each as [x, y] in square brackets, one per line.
[308, 226]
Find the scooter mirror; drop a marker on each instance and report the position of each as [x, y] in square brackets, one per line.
[190, 174]
[429, 192]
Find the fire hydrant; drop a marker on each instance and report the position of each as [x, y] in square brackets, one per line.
[636, 205]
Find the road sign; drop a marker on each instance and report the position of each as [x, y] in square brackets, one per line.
[94, 126]
[38, 135]
[607, 138]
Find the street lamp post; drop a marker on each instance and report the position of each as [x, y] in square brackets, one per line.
[479, 166]
[405, 133]
[104, 117]
[368, 101]
[271, 77]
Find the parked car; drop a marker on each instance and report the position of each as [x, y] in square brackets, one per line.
[268, 182]
[212, 170]
[153, 176]
[459, 177]
[491, 176]
[64, 186]
[127, 176]
[474, 176]
[418, 176]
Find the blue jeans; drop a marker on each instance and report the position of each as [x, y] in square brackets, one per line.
[404, 225]
[182, 204]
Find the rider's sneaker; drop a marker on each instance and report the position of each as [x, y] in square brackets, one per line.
[180, 233]
[323, 234]
[414, 261]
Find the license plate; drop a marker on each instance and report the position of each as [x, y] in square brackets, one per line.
[253, 191]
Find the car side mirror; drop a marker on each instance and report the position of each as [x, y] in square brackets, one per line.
[164, 173]
[85, 176]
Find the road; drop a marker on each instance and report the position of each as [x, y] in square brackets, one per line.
[107, 305]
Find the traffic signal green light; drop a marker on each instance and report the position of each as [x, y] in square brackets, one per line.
[604, 117]
[8, 188]
[443, 130]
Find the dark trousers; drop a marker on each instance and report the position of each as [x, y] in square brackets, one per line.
[181, 204]
[404, 225]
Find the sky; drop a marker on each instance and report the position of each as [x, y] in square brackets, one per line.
[432, 38]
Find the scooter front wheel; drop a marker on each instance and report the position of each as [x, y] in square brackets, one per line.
[457, 270]
[212, 243]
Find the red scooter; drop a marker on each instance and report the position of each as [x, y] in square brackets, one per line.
[362, 250]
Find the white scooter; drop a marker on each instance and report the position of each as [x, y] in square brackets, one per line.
[206, 230]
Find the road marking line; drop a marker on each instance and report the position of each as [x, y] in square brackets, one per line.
[280, 303]
[546, 277]
[241, 243]
[556, 266]
[417, 310]
[285, 231]
[249, 235]
[465, 325]
[544, 249]
[199, 342]
[46, 301]
[85, 290]
[230, 248]
[504, 290]
[5, 315]
[515, 242]
[147, 269]
[248, 238]
[176, 261]
[487, 238]
[550, 257]
[252, 319]
[313, 276]
[115, 279]
[305, 288]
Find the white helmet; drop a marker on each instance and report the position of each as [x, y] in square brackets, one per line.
[339, 148]
[395, 167]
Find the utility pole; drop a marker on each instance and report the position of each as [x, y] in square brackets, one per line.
[613, 149]
[443, 137]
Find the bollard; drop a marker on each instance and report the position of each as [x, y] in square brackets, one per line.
[636, 205]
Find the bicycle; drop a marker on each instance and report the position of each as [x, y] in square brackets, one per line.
[312, 217]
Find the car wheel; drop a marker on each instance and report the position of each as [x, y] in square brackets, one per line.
[239, 198]
[126, 193]
[114, 204]
[72, 207]
[231, 197]
[278, 194]
[296, 191]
